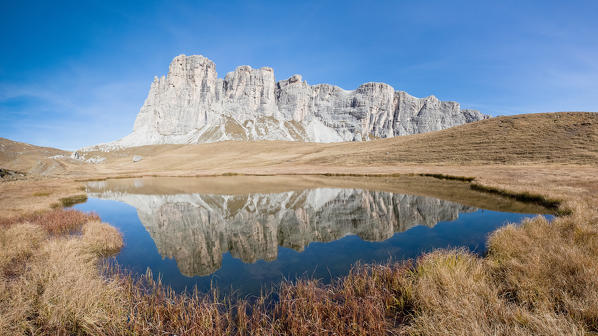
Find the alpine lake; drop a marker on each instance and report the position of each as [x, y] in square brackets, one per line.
[246, 234]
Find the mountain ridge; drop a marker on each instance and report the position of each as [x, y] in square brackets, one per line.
[191, 104]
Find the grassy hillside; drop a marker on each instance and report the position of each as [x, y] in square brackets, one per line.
[13, 150]
[29, 158]
[547, 138]
[528, 138]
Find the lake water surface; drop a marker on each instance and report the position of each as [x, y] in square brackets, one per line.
[244, 234]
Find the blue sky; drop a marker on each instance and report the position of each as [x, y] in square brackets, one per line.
[76, 73]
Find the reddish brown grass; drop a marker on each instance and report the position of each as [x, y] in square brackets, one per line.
[155, 309]
[443, 293]
[57, 221]
[371, 300]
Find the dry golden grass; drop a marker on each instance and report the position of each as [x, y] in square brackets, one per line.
[367, 302]
[73, 298]
[17, 246]
[50, 284]
[455, 294]
[101, 238]
[550, 266]
[13, 150]
[547, 139]
[35, 194]
[57, 221]
[443, 293]
[154, 310]
[371, 300]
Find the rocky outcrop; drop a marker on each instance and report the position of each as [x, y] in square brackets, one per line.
[192, 105]
[197, 229]
[10, 175]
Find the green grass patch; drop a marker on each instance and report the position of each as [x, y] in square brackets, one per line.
[231, 174]
[449, 177]
[66, 202]
[42, 194]
[525, 196]
[360, 175]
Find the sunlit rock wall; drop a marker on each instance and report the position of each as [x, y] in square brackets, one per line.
[192, 105]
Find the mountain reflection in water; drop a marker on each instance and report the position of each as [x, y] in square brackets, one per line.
[196, 230]
[246, 233]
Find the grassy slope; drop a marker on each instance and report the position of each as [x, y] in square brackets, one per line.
[11, 151]
[530, 138]
[32, 159]
[548, 139]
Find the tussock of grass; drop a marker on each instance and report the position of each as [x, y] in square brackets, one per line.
[69, 297]
[549, 266]
[101, 238]
[17, 246]
[155, 309]
[41, 194]
[50, 284]
[453, 293]
[371, 300]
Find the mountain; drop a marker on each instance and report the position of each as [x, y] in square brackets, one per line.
[192, 105]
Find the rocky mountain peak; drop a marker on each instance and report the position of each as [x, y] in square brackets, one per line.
[192, 105]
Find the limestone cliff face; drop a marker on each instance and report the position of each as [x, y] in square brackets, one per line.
[192, 105]
[197, 229]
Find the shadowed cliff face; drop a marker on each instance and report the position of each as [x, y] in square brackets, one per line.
[197, 229]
